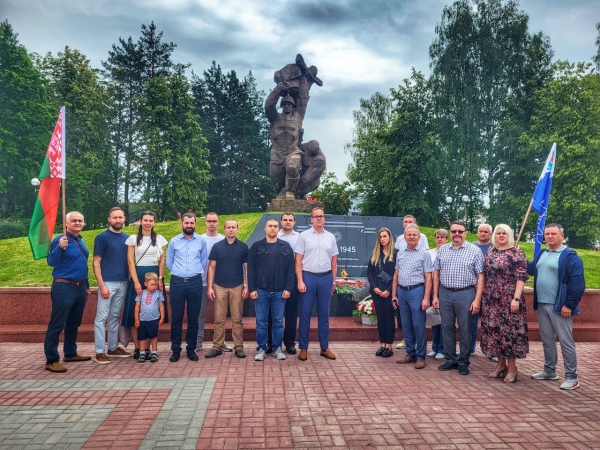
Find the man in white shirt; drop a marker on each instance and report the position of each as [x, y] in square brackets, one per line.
[288, 234]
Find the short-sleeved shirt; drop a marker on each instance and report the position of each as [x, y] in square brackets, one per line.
[291, 238]
[412, 266]
[110, 246]
[147, 254]
[546, 285]
[401, 242]
[459, 266]
[149, 309]
[317, 250]
[210, 241]
[230, 259]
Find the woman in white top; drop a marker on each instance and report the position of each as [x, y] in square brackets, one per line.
[145, 254]
[437, 346]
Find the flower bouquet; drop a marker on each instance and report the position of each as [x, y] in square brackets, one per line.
[365, 309]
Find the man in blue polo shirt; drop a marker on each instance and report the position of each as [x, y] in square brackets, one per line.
[70, 288]
[186, 259]
[110, 269]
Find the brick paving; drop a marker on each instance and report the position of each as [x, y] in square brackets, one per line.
[357, 401]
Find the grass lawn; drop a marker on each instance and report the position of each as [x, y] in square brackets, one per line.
[17, 267]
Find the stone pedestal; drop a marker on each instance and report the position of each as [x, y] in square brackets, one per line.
[292, 205]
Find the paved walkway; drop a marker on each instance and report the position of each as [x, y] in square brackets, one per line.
[357, 401]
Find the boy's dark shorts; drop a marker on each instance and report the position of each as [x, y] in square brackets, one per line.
[148, 330]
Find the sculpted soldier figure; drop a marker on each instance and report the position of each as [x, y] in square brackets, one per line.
[287, 152]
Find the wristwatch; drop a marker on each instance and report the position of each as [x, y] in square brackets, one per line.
[161, 278]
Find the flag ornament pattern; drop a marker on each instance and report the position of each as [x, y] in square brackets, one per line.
[46, 206]
[541, 197]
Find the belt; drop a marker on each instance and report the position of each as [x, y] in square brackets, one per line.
[186, 279]
[410, 288]
[319, 274]
[75, 283]
[458, 289]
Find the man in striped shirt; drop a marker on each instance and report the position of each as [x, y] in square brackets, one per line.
[457, 287]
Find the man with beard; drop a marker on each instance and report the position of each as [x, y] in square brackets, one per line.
[110, 269]
[186, 259]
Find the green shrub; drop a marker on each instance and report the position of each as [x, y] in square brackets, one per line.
[12, 229]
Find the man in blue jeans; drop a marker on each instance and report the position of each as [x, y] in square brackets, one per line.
[70, 288]
[270, 282]
[316, 266]
[411, 286]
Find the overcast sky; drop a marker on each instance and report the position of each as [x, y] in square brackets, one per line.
[359, 46]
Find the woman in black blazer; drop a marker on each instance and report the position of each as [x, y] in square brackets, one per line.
[379, 273]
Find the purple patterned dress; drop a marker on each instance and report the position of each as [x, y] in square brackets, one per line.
[503, 333]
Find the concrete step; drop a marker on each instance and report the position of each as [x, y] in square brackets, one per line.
[340, 329]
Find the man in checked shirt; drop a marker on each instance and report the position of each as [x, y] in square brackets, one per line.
[457, 287]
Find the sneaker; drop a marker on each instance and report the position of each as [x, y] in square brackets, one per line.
[226, 348]
[440, 356]
[136, 353]
[569, 384]
[118, 353]
[199, 345]
[543, 375]
[431, 354]
[101, 358]
[278, 354]
[260, 356]
[212, 353]
[148, 355]
[240, 353]
[142, 358]
[154, 357]
[401, 344]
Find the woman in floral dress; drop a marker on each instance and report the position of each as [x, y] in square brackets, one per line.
[504, 317]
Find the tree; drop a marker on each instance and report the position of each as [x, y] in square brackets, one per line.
[90, 164]
[569, 114]
[26, 122]
[336, 197]
[596, 57]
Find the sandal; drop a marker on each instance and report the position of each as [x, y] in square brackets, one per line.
[499, 372]
[511, 377]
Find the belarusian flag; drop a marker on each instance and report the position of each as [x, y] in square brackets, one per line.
[46, 206]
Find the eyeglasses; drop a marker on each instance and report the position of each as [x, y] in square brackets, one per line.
[211, 221]
[458, 231]
[318, 217]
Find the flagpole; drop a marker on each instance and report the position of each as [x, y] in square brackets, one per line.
[64, 178]
[64, 208]
[523, 224]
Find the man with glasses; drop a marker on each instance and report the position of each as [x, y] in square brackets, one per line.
[316, 265]
[457, 287]
[211, 237]
[484, 242]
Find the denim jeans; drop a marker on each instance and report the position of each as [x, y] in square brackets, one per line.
[318, 289]
[413, 321]
[273, 302]
[108, 310]
[68, 303]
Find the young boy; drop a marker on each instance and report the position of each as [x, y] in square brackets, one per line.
[149, 315]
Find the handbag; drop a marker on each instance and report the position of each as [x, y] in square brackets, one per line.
[384, 279]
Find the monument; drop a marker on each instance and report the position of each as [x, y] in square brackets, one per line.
[295, 167]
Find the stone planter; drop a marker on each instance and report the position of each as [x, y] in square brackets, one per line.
[366, 320]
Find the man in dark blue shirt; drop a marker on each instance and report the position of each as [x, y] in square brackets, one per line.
[68, 255]
[112, 273]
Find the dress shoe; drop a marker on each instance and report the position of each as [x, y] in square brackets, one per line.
[380, 351]
[192, 356]
[303, 356]
[76, 358]
[174, 357]
[56, 367]
[407, 360]
[387, 353]
[463, 369]
[420, 364]
[448, 365]
[213, 352]
[327, 354]
[291, 350]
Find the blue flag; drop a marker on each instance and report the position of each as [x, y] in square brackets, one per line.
[541, 198]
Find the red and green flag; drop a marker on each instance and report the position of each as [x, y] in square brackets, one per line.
[46, 206]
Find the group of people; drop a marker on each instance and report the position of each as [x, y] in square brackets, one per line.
[287, 272]
[464, 282]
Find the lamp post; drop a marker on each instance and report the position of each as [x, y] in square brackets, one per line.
[465, 203]
[35, 182]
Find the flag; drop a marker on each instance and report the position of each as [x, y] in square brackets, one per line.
[46, 206]
[541, 198]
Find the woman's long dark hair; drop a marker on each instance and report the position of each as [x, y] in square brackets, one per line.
[140, 235]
